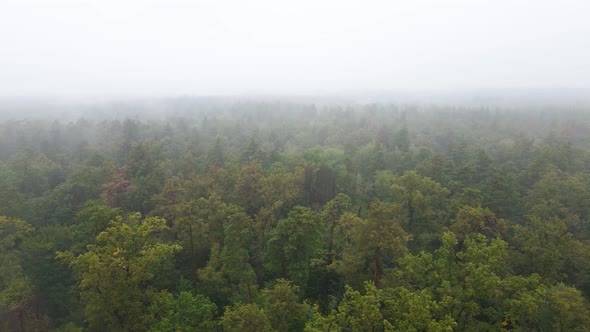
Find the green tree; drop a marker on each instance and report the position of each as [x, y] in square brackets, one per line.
[12, 200]
[245, 318]
[202, 224]
[473, 220]
[499, 193]
[53, 283]
[425, 204]
[248, 188]
[228, 275]
[463, 283]
[548, 248]
[415, 310]
[357, 313]
[282, 305]
[292, 245]
[471, 286]
[16, 289]
[215, 155]
[402, 139]
[331, 215]
[252, 152]
[374, 245]
[183, 312]
[115, 274]
[222, 233]
[34, 173]
[563, 197]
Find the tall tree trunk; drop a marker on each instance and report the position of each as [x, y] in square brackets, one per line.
[410, 214]
[283, 267]
[331, 243]
[377, 265]
[249, 292]
[21, 319]
[193, 259]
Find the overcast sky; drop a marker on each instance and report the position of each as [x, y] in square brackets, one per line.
[221, 47]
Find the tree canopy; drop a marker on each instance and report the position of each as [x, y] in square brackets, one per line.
[286, 216]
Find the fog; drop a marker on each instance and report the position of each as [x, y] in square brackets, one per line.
[159, 48]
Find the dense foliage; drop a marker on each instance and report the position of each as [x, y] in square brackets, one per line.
[279, 216]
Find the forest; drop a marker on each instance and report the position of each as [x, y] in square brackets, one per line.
[285, 215]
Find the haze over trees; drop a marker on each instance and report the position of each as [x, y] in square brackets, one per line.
[259, 215]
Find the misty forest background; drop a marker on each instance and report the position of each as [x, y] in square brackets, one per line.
[288, 216]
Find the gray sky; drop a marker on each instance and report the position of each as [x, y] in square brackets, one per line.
[161, 47]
